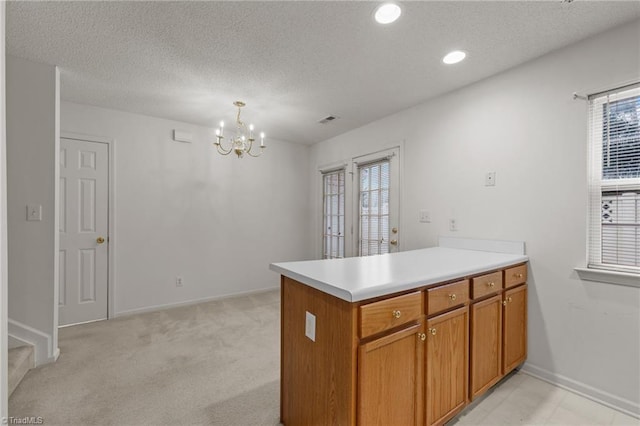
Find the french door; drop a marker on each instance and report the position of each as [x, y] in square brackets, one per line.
[361, 206]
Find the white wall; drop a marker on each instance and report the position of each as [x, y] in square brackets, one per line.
[524, 125]
[32, 146]
[183, 209]
[3, 227]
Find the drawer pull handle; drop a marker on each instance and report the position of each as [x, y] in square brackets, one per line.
[518, 275]
[452, 297]
[396, 314]
[491, 284]
[432, 331]
[507, 300]
[422, 336]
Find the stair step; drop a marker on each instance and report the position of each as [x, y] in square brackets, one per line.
[21, 360]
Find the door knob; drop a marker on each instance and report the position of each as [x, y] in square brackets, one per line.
[393, 242]
[394, 230]
[100, 240]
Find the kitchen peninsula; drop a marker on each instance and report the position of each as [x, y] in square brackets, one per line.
[408, 338]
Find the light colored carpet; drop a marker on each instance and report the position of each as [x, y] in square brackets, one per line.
[215, 363]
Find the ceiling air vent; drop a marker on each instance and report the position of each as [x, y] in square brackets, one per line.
[327, 119]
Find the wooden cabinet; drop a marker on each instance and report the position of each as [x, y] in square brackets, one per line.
[414, 358]
[389, 313]
[444, 297]
[486, 344]
[498, 328]
[515, 276]
[514, 348]
[486, 284]
[447, 365]
[390, 379]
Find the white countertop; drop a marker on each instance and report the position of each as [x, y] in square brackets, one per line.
[358, 278]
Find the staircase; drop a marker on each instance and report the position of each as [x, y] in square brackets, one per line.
[21, 359]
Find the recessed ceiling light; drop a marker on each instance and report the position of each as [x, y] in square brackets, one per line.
[387, 13]
[454, 57]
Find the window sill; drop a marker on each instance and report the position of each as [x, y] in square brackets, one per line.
[612, 277]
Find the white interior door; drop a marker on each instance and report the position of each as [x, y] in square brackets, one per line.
[84, 197]
[377, 203]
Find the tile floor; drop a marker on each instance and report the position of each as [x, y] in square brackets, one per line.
[524, 400]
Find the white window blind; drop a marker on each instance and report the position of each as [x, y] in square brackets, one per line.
[614, 180]
[374, 181]
[333, 214]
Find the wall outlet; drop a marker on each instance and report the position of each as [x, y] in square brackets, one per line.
[424, 216]
[179, 282]
[453, 225]
[34, 212]
[310, 326]
[490, 179]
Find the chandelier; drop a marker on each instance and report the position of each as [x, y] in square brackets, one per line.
[242, 142]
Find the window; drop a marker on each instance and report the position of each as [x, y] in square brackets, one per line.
[614, 181]
[333, 214]
[373, 216]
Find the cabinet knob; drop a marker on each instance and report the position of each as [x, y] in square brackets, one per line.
[422, 336]
[452, 297]
[396, 314]
[518, 275]
[491, 284]
[509, 299]
[432, 331]
[504, 303]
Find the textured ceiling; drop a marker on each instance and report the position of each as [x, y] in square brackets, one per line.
[293, 63]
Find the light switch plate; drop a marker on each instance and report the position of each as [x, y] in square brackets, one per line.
[425, 216]
[34, 212]
[310, 326]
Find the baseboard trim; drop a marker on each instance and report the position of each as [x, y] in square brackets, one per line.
[42, 342]
[191, 302]
[617, 403]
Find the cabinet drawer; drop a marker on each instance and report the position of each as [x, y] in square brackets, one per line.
[486, 284]
[447, 296]
[514, 276]
[386, 314]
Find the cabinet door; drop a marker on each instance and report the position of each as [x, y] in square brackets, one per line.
[486, 344]
[514, 347]
[389, 379]
[447, 365]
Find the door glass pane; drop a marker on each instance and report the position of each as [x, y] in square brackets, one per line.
[373, 216]
[375, 177]
[333, 214]
[364, 179]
